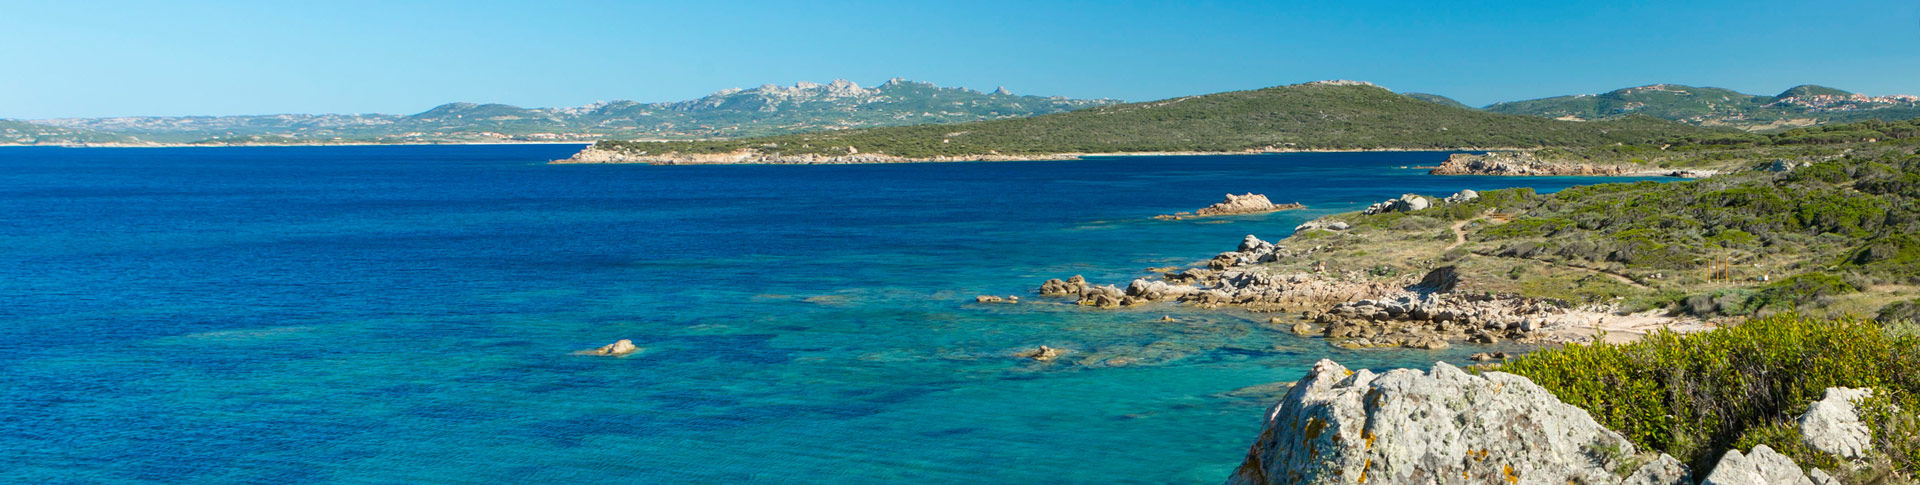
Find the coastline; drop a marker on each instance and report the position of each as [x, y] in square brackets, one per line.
[242, 145]
[1493, 161]
[595, 155]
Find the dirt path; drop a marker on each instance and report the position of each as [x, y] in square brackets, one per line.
[1459, 234]
[1460, 238]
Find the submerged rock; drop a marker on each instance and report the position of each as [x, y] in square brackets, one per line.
[1440, 426]
[616, 349]
[1043, 354]
[1490, 356]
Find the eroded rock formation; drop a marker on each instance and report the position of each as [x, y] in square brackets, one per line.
[1437, 426]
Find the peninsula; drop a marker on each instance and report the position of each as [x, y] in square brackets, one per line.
[1326, 115]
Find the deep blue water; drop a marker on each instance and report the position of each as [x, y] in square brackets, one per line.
[405, 314]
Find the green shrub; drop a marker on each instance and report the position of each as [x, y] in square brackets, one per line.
[1891, 258]
[1791, 293]
[1900, 312]
[1697, 395]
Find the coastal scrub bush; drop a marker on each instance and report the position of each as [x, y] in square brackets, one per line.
[1907, 312]
[1791, 293]
[1894, 258]
[1697, 395]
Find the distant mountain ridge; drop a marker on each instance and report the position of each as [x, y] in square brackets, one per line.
[1326, 115]
[765, 110]
[1804, 105]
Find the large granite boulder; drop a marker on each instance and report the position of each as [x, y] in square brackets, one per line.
[1439, 426]
[1406, 203]
[1833, 426]
[1244, 204]
[616, 349]
[1761, 466]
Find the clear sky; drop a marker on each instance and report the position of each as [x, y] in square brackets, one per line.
[112, 58]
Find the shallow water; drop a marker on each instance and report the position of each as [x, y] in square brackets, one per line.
[384, 314]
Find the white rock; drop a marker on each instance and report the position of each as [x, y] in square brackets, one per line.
[622, 347]
[1833, 425]
[1820, 477]
[1441, 426]
[1762, 466]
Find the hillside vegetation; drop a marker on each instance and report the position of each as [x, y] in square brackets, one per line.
[1304, 116]
[24, 133]
[1802, 222]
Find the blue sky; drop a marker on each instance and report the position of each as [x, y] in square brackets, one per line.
[112, 58]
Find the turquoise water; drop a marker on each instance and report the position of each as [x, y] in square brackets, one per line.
[406, 314]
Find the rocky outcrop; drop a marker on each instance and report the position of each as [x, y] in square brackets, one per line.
[1416, 321]
[1693, 174]
[1761, 466]
[1833, 425]
[995, 299]
[616, 349]
[1055, 287]
[1250, 203]
[1463, 196]
[1440, 426]
[1321, 224]
[1358, 311]
[1524, 163]
[1406, 203]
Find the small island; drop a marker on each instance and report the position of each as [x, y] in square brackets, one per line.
[1250, 203]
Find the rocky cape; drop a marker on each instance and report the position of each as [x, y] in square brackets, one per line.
[1447, 425]
[1523, 163]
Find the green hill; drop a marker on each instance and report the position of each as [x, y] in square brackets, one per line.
[1810, 90]
[1442, 100]
[1804, 105]
[1325, 115]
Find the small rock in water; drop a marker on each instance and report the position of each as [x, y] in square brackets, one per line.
[616, 349]
[986, 299]
[1043, 354]
[1167, 318]
[1489, 356]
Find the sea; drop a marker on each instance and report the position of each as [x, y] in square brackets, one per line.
[409, 314]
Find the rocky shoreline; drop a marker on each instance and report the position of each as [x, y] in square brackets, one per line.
[1523, 163]
[1352, 309]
